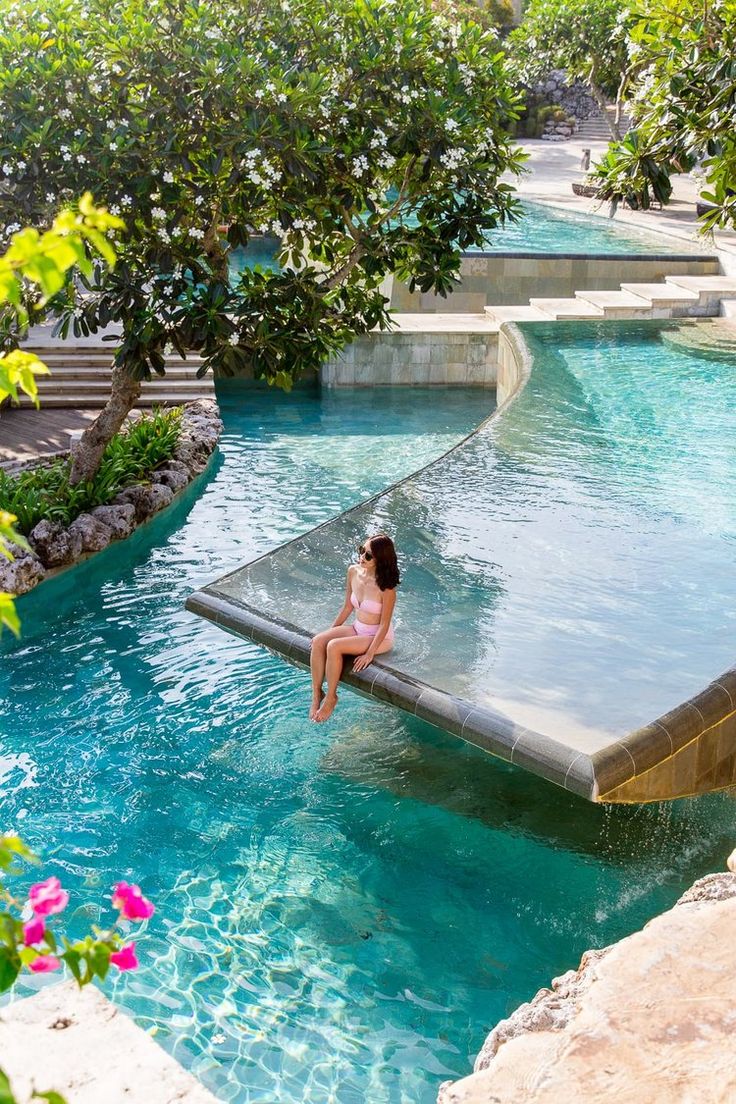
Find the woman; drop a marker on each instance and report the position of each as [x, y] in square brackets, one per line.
[371, 593]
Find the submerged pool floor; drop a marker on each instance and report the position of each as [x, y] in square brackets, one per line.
[343, 911]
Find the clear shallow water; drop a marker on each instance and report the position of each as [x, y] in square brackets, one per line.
[342, 911]
[576, 558]
[543, 230]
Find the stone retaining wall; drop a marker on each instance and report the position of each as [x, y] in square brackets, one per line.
[396, 358]
[513, 279]
[55, 546]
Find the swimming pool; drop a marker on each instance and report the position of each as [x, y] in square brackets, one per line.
[342, 911]
[543, 230]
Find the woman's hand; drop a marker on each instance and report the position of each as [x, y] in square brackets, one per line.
[361, 662]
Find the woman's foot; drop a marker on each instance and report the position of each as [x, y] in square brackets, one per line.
[325, 710]
[317, 699]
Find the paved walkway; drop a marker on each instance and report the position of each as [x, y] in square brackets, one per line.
[554, 166]
[28, 433]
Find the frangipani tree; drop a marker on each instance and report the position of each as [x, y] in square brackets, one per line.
[368, 135]
[684, 106]
[586, 38]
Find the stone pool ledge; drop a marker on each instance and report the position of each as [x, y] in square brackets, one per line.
[487, 729]
[648, 1018]
[54, 547]
[78, 1043]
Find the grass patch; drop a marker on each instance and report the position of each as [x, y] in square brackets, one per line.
[132, 455]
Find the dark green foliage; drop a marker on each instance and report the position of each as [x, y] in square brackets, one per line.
[130, 457]
[684, 107]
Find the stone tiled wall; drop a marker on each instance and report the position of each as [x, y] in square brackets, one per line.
[415, 358]
[514, 363]
[690, 750]
[512, 280]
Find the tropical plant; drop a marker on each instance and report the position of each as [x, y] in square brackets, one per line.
[586, 38]
[29, 942]
[684, 107]
[41, 262]
[47, 493]
[369, 135]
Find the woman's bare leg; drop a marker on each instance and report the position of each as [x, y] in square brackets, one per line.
[337, 650]
[318, 662]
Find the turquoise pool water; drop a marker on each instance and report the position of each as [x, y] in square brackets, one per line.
[342, 911]
[575, 559]
[543, 230]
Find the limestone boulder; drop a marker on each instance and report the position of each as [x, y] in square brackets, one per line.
[54, 544]
[93, 532]
[146, 499]
[119, 519]
[21, 574]
[171, 477]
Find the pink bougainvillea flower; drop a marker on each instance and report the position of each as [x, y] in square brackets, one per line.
[44, 964]
[125, 958]
[33, 931]
[131, 902]
[47, 898]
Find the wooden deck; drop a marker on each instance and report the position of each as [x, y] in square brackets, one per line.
[28, 433]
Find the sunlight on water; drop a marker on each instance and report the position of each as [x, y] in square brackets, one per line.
[343, 911]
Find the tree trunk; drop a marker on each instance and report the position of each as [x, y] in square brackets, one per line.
[87, 453]
[600, 99]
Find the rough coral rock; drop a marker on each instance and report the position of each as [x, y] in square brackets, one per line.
[21, 574]
[654, 1010]
[119, 519]
[147, 500]
[713, 887]
[171, 477]
[93, 532]
[54, 545]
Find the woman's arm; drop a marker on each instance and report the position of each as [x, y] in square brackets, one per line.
[389, 601]
[347, 607]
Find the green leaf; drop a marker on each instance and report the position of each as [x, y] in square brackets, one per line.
[6, 1093]
[50, 1095]
[9, 967]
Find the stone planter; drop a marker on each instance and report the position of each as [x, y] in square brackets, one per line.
[55, 546]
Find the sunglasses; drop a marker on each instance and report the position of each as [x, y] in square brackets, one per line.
[368, 556]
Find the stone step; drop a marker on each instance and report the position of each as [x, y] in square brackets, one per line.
[728, 308]
[66, 372]
[430, 322]
[662, 295]
[617, 304]
[96, 402]
[709, 289]
[567, 308]
[517, 314]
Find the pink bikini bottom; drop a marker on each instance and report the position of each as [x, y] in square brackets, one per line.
[361, 629]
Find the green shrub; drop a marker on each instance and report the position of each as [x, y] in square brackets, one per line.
[131, 456]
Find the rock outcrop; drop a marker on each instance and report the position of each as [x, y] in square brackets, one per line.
[55, 546]
[648, 1018]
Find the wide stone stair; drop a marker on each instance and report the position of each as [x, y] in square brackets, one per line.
[80, 377]
[677, 297]
[596, 128]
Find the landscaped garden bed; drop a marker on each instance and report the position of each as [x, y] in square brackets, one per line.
[144, 467]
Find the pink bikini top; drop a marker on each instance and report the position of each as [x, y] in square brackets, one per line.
[368, 604]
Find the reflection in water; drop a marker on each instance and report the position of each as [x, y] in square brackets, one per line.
[563, 565]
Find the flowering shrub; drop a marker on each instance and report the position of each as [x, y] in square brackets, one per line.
[369, 136]
[27, 938]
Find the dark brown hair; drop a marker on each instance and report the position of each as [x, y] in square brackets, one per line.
[387, 569]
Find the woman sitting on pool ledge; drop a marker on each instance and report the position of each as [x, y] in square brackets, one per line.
[371, 593]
